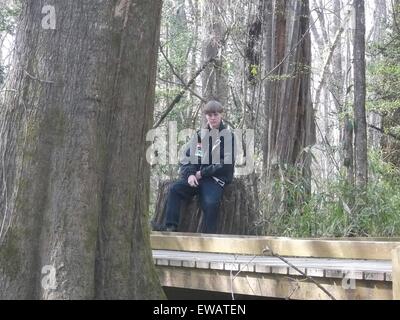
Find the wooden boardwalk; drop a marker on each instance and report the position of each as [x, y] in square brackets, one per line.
[378, 270]
[182, 264]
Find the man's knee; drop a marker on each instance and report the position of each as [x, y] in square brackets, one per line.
[211, 203]
[181, 189]
[176, 187]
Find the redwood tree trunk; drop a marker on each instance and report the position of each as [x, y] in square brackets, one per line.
[74, 179]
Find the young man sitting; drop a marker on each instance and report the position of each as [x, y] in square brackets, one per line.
[208, 167]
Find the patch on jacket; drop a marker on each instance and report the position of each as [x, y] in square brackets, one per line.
[199, 151]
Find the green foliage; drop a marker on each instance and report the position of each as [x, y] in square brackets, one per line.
[336, 208]
[177, 38]
[384, 86]
[384, 74]
[254, 70]
[331, 210]
[8, 22]
[8, 16]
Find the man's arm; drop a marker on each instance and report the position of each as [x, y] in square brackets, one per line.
[187, 170]
[215, 169]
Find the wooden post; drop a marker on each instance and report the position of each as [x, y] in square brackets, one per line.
[396, 273]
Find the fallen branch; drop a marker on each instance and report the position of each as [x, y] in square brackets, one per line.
[267, 249]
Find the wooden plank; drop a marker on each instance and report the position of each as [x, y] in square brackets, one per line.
[334, 274]
[247, 267]
[375, 239]
[188, 264]
[231, 266]
[355, 274]
[377, 270]
[162, 262]
[296, 273]
[202, 264]
[279, 270]
[396, 273]
[262, 269]
[250, 245]
[175, 263]
[315, 272]
[217, 265]
[374, 276]
[271, 285]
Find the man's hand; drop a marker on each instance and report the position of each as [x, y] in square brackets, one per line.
[192, 180]
[198, 175]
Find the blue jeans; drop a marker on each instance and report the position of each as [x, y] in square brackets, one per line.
[210, 194]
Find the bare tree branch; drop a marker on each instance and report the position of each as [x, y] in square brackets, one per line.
[328, 60]
[384, 132]
[267, 249]
[183, 91]
[189, 89]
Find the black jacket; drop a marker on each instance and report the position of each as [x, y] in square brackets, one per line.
[206, 159]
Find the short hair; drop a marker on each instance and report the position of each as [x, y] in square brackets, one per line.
[213, 106]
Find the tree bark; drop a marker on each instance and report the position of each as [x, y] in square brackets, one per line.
[378, 34]
[236, 215]
[348, 121]
[360, 125]
[214, 82]
[290, 124]
[74, 179]
[390, 145]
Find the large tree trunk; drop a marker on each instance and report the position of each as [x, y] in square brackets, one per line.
[290, 119]
[236, 215]
[74, 180]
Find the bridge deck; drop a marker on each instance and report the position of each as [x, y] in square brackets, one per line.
[379, 270]
[270, 277]
[348, 269]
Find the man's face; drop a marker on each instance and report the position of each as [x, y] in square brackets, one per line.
[214, 119]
